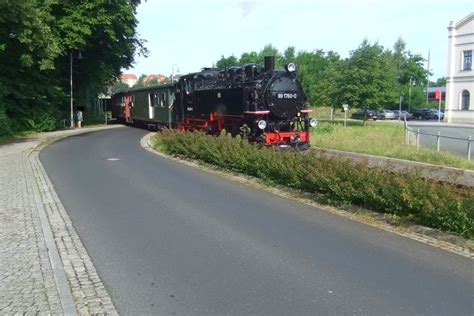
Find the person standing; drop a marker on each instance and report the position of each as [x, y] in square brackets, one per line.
[79, 118]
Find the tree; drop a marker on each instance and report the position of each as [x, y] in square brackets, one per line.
[37, 38]
[104, 32]
[227, 62]
[440, 82]
[400, 60]
[248, 58]
[28, 50]
[140, 82]
[289, 55]
[330, 87]
[370, 77]
[311, 65]
[120, 86]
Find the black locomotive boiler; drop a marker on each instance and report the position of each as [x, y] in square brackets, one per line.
[263, 104]
[259, 103]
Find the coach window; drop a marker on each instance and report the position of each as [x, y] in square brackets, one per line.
[162, 100]
[465, 100]
[189, 87]
[152, 97]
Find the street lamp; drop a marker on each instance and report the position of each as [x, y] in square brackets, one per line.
[412, 83]
[71, 86]
[172, 71]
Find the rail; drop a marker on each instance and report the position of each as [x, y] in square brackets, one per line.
[417, 132]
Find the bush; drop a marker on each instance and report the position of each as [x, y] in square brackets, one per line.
[5, 124]
[335, 181]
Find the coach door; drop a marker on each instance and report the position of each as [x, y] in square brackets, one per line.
[152, 103]
[128, 111]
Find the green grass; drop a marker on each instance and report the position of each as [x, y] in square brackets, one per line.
[380, 139]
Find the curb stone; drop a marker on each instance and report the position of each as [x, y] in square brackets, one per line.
[44, 267]
[441, 240]
[85, 289]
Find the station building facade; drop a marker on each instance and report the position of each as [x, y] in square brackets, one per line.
[460, 82]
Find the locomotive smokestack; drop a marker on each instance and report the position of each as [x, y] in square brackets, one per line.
[269, 63]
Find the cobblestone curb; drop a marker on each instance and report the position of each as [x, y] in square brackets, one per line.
[44, 266]
[425, 235]
[87, 290]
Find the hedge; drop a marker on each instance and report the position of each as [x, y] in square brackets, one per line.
[335, 181]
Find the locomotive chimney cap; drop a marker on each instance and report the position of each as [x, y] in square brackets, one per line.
[269, 63]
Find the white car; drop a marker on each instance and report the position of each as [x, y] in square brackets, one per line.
[437, 114]
[386, 115]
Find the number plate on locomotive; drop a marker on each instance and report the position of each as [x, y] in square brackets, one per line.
[287, 95]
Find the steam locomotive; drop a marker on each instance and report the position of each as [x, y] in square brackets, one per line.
[259, 103]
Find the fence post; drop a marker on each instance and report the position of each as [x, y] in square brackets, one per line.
[417, 138]
[469, 141]
[406, 130]
[438, 140]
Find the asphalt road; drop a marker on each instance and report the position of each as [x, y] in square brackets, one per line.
[171, 239]
[456, 146]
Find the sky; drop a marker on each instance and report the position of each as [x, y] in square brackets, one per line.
[186, 35]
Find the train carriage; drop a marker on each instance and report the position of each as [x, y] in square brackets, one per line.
[146, 106]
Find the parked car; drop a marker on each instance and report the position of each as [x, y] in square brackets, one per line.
[367, 115]
[423, 114]
[386, 115]
[403, 115]
[437, 113]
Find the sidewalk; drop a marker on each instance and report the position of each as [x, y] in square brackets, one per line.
[44, 268]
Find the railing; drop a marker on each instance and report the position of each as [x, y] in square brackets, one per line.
[416, 133]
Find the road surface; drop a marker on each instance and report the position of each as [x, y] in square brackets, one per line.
[456, 146]
[171, 239]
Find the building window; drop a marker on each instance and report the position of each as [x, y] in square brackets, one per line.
[465, 100]
[467, 65]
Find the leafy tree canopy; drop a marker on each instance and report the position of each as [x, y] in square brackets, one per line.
[37, 40]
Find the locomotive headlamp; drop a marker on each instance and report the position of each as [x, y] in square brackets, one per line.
[262, 124]
[291, 67]
[313, 122]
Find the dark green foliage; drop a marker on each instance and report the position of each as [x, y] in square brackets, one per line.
[335, 181]
[37, 38]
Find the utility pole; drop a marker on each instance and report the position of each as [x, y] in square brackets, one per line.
[428, 79]
[71, 125]
[412, 82]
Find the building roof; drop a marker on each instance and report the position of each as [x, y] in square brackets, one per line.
[159, 77]
[463, 21]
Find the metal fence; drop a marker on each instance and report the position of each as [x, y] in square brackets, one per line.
[412, 137]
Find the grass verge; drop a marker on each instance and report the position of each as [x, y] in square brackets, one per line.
[380, 139]
[335, 181]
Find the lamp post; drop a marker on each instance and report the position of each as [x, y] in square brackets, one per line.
[345, 106]
[412, 83]
[170, 96]
[172, 71]
[70, 85]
